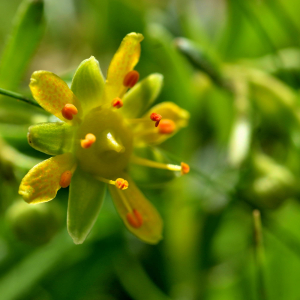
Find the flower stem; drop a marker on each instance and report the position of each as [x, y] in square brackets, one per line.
[19, 97]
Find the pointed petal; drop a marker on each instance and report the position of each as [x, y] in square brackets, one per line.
[151, 229]
[42, 182]
[141, 96]
[88, 84]
[85, 200]
[51, 138]
[52, 93]
[168, 111]
[123, 61]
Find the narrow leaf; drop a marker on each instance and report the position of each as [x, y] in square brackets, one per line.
[24, 39]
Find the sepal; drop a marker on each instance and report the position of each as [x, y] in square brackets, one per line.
[142, 95]
[51, 138]
[85, 201]
[88, 84]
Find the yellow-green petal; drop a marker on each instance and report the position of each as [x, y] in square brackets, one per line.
[151, 229]
[52, 93]
[141, 96]
[149, 135]
[42, 182]
[88, 84]
[85, 201]
[123, 61]
[51, 138]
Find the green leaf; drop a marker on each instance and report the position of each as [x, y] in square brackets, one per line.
[130, 271]
[26, 35]
[88, 84]
[142, 95]
[85, 200]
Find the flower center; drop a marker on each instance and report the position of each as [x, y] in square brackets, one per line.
[111, 149]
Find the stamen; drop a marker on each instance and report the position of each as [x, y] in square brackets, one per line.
[131, 78]
[120, 183]
[65, 179]
[135, 219]
[68, 111]
[166, 126]
[89, 140]
[156, 118]
[117, 103]
[183, 168]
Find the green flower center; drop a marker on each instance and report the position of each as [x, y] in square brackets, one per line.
[110, 153]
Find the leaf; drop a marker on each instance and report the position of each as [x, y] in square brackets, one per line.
[26, 35]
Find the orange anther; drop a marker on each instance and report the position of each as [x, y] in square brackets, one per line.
[131, 78]
[121, 184]
[65, 179]
[135, 219]
[166, 126]
[156, 118]
[89, 140]
[117, 103]
[185, 168]
[68, 111]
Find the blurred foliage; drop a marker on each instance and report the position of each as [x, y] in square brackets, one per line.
[235, 66]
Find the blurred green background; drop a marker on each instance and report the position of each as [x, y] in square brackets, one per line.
[232, 224]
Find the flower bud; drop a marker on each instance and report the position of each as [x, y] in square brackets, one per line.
[271, 183]
[34, 224]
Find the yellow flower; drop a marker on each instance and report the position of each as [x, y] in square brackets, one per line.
[101, 124]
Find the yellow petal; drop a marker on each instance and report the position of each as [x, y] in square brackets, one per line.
[132, 199]
[149, 134]
[42, 182]
[52, 93]
[123, 61]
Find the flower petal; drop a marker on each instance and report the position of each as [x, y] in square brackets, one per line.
[168, 111]
[42, 182]
[51, 138]
[141, 96]
[85, 200]
[151, 229]
[88, 84]
[52, 93]
[123, 61]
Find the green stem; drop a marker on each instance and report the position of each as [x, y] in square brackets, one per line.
[259, 254]
[19, 97]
